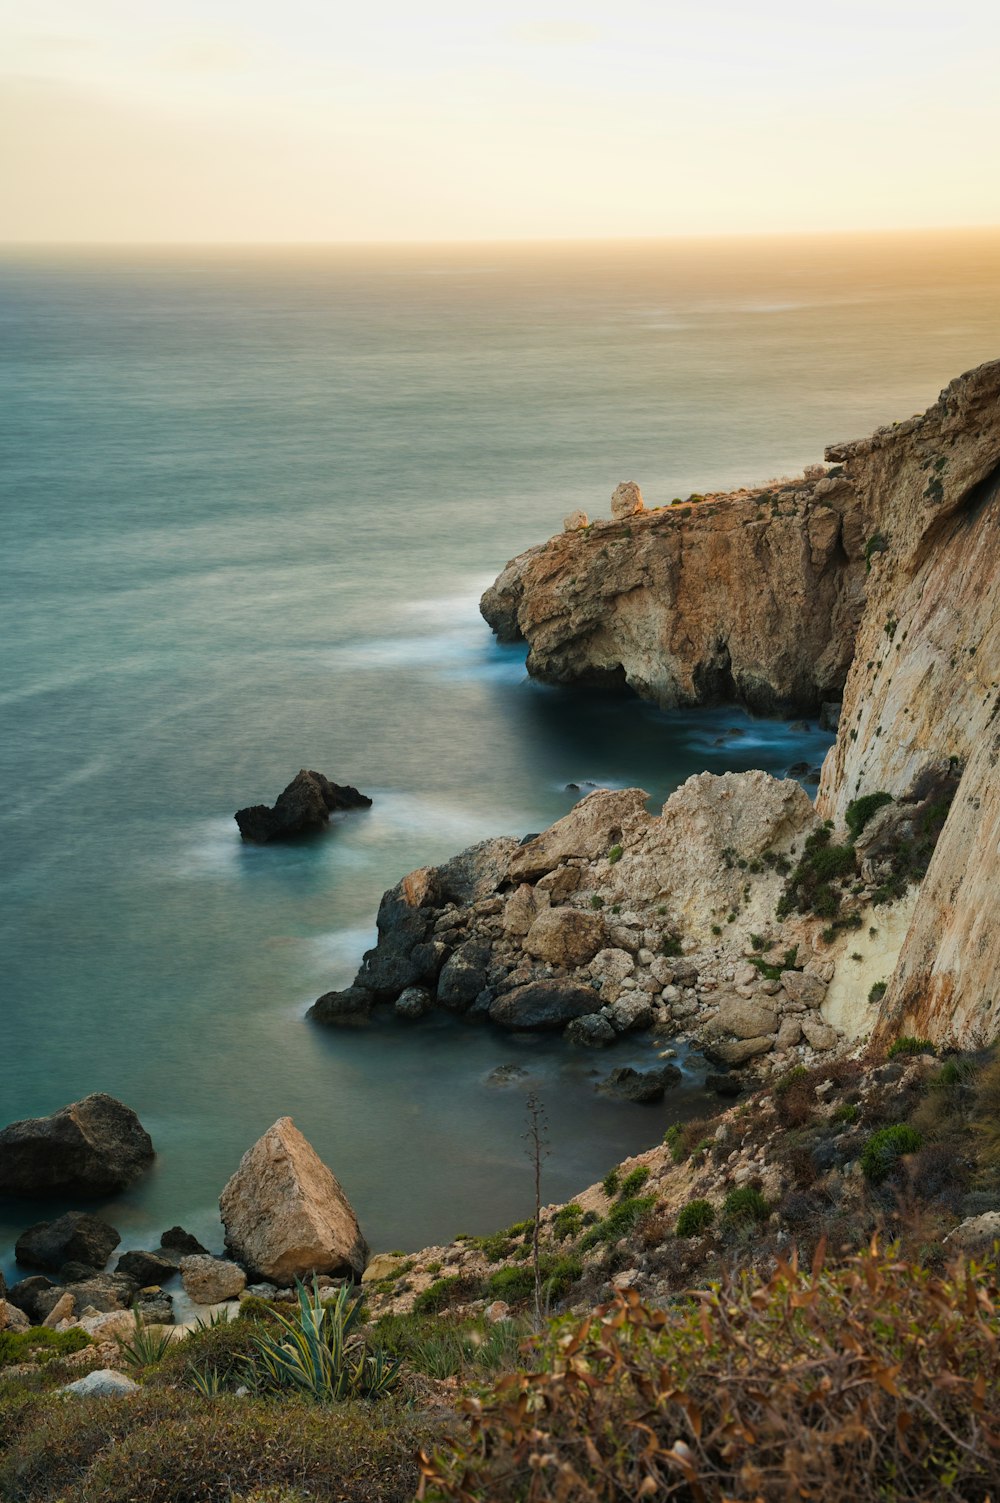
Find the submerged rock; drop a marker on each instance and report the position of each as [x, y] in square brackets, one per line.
[302, 808]
[91, 1147]
[75, 1237]
[285, 1213]
[640, 1085]
[146, 1268]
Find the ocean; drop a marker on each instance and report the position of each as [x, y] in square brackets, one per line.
[250, 499]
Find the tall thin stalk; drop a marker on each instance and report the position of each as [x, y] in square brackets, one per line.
[536, 1137]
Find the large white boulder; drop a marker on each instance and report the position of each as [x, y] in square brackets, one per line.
[286, 1215]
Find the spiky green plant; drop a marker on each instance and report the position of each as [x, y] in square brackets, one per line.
[147, 1345]
[320, 1352]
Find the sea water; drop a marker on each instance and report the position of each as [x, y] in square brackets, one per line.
[250, 499]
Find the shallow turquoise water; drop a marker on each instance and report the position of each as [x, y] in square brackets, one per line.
[250, 501]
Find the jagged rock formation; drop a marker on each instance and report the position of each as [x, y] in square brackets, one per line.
[753, 596]
[302, 808]
[887, 565]
[92, 1147]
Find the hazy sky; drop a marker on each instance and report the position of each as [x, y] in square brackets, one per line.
[304, 120]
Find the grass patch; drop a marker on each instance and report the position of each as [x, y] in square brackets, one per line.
[633, 1182]
[39, 1345]
[623, 1218]
[909, 1045]
[745, 1206]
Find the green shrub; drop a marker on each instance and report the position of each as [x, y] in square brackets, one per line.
[620, 1220]
[596, 900]
[877, 543]
[39, 1345]
[910, 1045]
[885, 1148]
[515, 1285]
[495, 1248]
[846, 1112]
[860, 810]
[437, 1296]
[696, 1217]
[609, 1184]
[877, 991]
[615, 854]
[633, 1182]
[670, 944]
[566, 1221]
[745, 1205]
[780, 1087]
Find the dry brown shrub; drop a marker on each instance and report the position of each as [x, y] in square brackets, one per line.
[850, 1384]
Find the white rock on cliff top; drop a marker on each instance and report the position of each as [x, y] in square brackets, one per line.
[286, 1215]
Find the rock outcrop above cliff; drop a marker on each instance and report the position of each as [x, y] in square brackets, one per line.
[753, 596]
[302, 808]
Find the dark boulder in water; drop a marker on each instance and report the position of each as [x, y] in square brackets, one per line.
[640, 1085]
[177, 1243]
[304, 807]
[543, 1004]
[350, 1008]
[73, 1238]
[91, 1147]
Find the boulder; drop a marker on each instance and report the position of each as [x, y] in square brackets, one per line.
[612, 965]
[103, 1383]
[640, 1085]
[12, 1317]
[92, 1147]
[789, 1033]
[522, 908]
[542, 1004]
[209, 1280]
[558, 884]
[818, 1035]
[285, 1214]
[146, 1268]
[176, 1240]
[598, 822]
[62, 1310]
[630, 1012]
[574, 521]
[382, 1266]
[724, 1085]
[626, 500]
[303, 807]
[108, 1325]
[155, 1307]
[975, 1235]
[565, 936]
[414, 1002]
[801, 987]
[463, 976]
[746, 1018]
[592, 1030]
[30, 1295]
[350, 1008]
[738, 1051]
[75, 1237]
[102, 1292]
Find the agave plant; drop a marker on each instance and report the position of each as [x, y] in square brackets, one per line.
[147, 1345]
[321, 1353]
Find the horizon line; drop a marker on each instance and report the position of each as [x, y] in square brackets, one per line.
[497, 240]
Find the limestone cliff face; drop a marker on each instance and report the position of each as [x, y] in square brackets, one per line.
[924, 679]
[753, 596]
[885, 572]
[924, 691]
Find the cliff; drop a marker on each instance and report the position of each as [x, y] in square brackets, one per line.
[753, 596]
[879, 579]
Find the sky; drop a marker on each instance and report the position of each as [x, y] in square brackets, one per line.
[299, 120]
